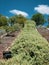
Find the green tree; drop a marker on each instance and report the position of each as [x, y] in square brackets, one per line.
[21, 19]
[38, 18]
[12, 20]
[17, 19]
[3, 21]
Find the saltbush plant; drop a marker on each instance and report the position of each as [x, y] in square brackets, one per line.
[13, 28]
[17, 27]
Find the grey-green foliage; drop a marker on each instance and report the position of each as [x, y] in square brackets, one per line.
[30, 48]
[30, 41]
[14, 27]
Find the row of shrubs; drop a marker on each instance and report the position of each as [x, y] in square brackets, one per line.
[30, 48]
[8, 29]
[15, 27]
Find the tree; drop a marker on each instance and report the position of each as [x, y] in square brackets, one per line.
[17, 19]
[3, 21]
[11, 20]
[21, 19]
[38, 18]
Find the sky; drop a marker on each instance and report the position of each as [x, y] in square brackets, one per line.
[25, 7]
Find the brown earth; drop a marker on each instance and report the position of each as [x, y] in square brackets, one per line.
[44, 32]
[6, 42]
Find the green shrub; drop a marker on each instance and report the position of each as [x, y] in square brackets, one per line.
[17, 26]
[2, 30]
[9, 29]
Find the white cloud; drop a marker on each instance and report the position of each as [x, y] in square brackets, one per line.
[43, 9]
[19, 12]
[7, 17]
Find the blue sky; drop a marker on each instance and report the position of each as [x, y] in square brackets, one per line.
[24, 7]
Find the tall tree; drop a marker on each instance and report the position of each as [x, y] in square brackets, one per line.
[38, 18]
[3, 21]
[21, 19]
[12, 20]
[17, 19]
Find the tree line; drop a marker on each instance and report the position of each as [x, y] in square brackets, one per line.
[38, 18]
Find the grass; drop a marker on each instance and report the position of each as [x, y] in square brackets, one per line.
[29, 48]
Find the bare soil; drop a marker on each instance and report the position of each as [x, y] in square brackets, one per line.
[6, 42]
[44, 32]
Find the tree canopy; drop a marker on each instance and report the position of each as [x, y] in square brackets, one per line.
[3, 20]
[38, 18]
[17, 19]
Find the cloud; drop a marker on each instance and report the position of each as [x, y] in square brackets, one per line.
[7, 17]
[43, 9]
[18, 12]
